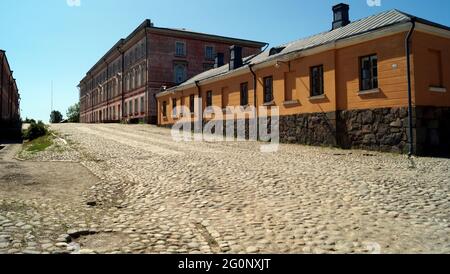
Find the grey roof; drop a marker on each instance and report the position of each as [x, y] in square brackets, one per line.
[368, 24]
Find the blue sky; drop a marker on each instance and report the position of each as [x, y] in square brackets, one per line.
[48, 40]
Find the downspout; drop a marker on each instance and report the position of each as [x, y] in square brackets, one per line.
[410, 105]
[199, 90]
[255, 99]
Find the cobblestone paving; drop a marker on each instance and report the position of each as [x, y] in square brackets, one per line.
[155, 195]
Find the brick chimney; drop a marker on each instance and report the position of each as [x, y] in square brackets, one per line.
[219, 60]
[235, 57]
[341, 16]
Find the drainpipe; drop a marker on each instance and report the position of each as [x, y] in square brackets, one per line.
[197, 83]
[255, 98]
[410, 105]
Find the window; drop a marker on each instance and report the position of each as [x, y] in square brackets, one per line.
[133, 79]
[180, 49]
[142, 104]
[138, 77]
[143, 78]
[434, 67]
[174, 107]
[180, 73]
[244, 94]
[209, 52]
[192, 103]
[143, 50]
[136, 105]
[369, 72]
[316, 81]
[164, 109]
[209, 98]
[268, 89]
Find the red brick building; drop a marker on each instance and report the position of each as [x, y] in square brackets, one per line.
[9, 98]
[124, 82]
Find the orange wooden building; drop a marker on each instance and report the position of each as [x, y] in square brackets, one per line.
[378, 83]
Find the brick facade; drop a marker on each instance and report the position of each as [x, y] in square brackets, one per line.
[123, 84]
[9, 99]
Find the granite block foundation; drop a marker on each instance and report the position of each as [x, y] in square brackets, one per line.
[384, 129]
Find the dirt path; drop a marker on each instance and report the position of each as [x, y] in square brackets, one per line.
[39, 201]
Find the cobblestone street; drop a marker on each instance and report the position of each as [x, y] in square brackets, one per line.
[153, 195]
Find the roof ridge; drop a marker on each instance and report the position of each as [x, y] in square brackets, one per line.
[375, 22]
[352, 22]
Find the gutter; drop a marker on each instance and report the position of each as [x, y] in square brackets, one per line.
[410, 105]
[272, 60]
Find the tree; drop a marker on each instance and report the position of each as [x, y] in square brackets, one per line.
[73, 113]
[35, 130]
[55, 117]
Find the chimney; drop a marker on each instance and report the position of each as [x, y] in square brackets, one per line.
[235, 57]
[340, 16]
[219, 60]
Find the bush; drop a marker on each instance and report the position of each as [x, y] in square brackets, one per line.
[35, 131]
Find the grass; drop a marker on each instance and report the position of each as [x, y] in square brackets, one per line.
[39, 144]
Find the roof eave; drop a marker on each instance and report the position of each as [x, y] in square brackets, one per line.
[360, 37]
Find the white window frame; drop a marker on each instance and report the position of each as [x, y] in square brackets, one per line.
[183, 54]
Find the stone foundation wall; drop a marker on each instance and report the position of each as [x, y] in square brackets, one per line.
[432, 131]
[309, 129]
[384, 129]
[374, 129]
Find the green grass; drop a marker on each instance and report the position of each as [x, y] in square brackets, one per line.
[39, 144]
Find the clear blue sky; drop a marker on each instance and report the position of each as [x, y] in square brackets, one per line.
[49, 40]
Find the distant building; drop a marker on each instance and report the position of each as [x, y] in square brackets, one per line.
[123, 83]
[9, 98]
[347, 87]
